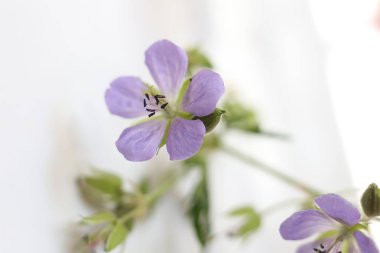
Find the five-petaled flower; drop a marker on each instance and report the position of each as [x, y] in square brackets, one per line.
[337, 220]
[170, 111]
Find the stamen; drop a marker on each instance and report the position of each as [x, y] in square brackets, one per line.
[164, 105]
[157, 101]
[150, 110]
[144, 102]
[322, 247]
[191, 79]
[147, 96]
[150, 115]
[160, 96]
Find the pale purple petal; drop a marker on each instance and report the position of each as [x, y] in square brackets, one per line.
[125, 97]
[319, 244]
[140, 142]
[203, 94]
[304, 224]
[167, 64]
[338, 208]
[365, 244]
[185, 138]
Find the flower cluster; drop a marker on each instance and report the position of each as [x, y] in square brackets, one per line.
[336, 220]
[170, 110]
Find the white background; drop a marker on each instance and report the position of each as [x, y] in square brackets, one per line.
[311, 68]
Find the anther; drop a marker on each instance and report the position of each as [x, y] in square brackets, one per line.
[147, 96]
[144, 102]
[164, 105]
[150, 110]
[157, 101]
[150, 115]
[160, 96]
[191, 79]
[322, 247]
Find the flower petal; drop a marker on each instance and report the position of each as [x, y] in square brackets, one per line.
[338, 208]
[140, 142]
[204, 92]
[125, 97]
[185, 138]
[366, 244]
[303, 224]
[319, 244]
[167, 64]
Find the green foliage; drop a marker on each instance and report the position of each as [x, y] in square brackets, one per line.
[251, 220]
[197, 60]
[212, 120]
[99, 218]
[116, 237]
[371, 201]
[240, 117]
[199, 210]
[106, 183]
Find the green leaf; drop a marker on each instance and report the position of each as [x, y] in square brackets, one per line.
[252, 220]
[117, 236]
[105, 182]
[212, 120]
[199, 210]
[98, 218]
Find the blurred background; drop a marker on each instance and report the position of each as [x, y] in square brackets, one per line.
[310, 68]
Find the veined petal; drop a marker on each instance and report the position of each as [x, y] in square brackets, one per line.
[125, 97]
[185, 137]
[365, 244]
[303, 224]
[338, 208]
[140, 142]
[167, 64]
[204, 92]
[318, 245]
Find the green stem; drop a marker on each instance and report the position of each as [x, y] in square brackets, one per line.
[258, 165]
[164, 187]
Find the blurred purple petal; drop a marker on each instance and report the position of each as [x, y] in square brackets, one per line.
[203, 93]
[185, 138]
[338, 208]
[319, 244]
[366, 244]
[304, 224]
[125, 97]
[167, 64]
[140, 142]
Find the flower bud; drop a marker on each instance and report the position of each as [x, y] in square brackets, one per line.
[371, 201]
[212, 120]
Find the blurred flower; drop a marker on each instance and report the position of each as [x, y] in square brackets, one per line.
[336, 220]
[173, 106]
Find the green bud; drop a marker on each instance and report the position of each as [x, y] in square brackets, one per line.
[197, 60]
[371, 201]
[212, 120]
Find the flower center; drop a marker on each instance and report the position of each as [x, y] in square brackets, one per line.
[323, 249]
[154, 104]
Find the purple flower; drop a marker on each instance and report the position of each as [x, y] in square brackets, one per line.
[336, 220]
[169, 110]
